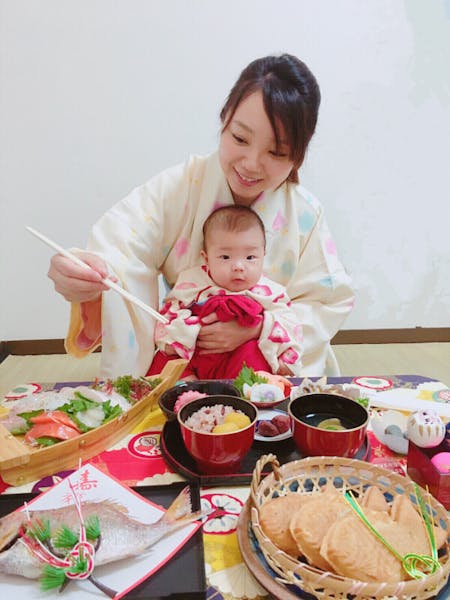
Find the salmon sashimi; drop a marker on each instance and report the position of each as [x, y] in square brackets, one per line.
[54, 430]
[54, 416]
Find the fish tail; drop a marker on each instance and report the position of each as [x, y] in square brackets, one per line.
[179, 508]
[176, 516]
[180, 512]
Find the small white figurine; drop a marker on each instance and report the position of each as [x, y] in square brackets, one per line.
[425, 429]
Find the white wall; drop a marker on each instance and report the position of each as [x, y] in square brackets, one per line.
[98, 95]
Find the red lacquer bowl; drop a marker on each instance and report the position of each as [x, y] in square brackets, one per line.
[211, 387]
[307, 411]
[223, 452]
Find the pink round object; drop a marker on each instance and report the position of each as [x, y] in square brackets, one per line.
[210, 387]
[442, 462]
[186, 397]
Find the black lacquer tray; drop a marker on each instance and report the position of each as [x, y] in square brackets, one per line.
[176, 455]
[166, 583]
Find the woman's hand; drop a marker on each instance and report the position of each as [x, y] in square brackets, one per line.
[216, 336]
[75, 283]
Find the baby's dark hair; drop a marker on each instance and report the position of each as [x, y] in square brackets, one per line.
[233, 218]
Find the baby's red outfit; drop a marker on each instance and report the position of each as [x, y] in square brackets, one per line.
[224, 365]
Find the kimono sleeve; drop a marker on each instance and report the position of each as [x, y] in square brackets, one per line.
[322, 297]
[281, 336]
[181, 332]
[134, 238]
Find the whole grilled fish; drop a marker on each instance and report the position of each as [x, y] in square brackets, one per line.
[120, 535]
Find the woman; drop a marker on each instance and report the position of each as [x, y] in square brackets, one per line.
[267, 123]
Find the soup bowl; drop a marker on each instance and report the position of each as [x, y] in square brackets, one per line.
[210, 387]
[328, 425]
[217, 453]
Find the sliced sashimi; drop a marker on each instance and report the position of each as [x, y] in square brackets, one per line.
[52, 430]
[54, 416]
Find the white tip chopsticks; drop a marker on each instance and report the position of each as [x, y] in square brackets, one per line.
[106, 281]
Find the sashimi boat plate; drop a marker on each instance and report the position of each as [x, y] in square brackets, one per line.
[21, 463]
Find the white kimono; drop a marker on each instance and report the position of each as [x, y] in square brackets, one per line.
[158, 229]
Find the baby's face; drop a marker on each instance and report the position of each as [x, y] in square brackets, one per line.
[235, 259]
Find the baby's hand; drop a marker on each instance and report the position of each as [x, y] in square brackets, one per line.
[283, 369]
[209, 319]
[223, 337]
[169, 350]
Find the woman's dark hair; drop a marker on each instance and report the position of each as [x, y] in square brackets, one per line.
[291, 97]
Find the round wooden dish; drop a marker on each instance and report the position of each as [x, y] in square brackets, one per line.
[255, 564]
[308, 476]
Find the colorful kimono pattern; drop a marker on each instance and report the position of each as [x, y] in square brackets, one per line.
[157, 229]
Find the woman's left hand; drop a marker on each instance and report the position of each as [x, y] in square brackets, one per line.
[216, 336]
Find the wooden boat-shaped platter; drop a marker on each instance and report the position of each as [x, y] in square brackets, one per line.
[21, 463]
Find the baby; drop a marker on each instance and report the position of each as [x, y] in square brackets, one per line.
[231, 285]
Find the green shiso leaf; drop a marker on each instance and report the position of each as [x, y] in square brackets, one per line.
[46, 440]
[82, 404]
[123, 385]
[247, 375]
[111, 412]
[78, 404]
[28, 415]
[20, 430]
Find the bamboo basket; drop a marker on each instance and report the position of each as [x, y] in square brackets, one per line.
[308, 476]
[20, 463]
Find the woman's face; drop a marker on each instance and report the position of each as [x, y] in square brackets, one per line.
[248, 154]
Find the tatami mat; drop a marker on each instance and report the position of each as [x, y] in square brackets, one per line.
[431, 360]
[15, 370]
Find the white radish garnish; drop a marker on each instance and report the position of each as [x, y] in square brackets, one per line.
[92, 417]
[265, 392]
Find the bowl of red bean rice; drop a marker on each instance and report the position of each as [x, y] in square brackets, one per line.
[218, 431]
[174, 398]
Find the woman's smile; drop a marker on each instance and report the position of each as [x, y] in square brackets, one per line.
[245, 180]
